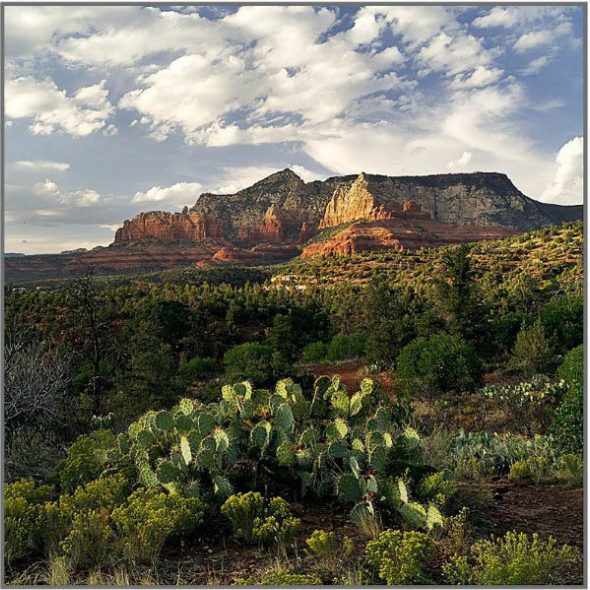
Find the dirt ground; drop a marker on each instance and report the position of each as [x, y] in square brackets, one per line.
[351, 373]
[548, 509]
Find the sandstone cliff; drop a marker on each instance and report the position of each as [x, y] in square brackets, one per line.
[160, 226]
[273, 219]
[409, 228]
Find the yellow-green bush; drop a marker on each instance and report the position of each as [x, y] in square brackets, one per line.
[437, 487]
[329, 548]
[282, 577]
[257, 520]
[398, 557]
[570, 468]
[90, 540]
[516, 559]
[151, 517]
[100, 495]
[85, 459]
[24, 518]
[536, 468]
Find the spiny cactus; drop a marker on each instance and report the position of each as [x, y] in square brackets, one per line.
[337, 445]
[164, 421]
[349, 489]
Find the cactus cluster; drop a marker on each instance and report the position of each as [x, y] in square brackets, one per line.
[330, 443]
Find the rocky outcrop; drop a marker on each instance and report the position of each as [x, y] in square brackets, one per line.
[354, 202]
[271, 220]
[410, 229]
[266, 253]
[159, 226]
[283, 209]
[273, 227]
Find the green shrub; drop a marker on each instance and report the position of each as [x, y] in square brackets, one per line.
[257, 520]
[571, 369]
[279, 576]
[516, 559]
[437, 487]
[529, 405]
[330, 549]
[532, 351]
[151, 517]
[90, 540]
[314, 352]
[535, 468]
[436, 364]
[250, 361]
[101, 494]
[24, 518]
[196, 368]
[570, 467]
[569, 416]
[563, 319]
[85, 459]
[346, 346]
[398, 557]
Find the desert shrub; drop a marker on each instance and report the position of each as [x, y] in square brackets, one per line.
[528, 406]
[569, 416]
[85, 459]
[24, 518]
[570, 468]
[346, 346]
[330, 549]
[90, 540]
[458, 534]
[101, 494]
[532, 351]
[535, 468]
[255, 519]
[563, 320]
[399, 557]
[151, 517]
[251, 360]
[280, 576]
[569, 420]
[437, 487]
[440, 363]
[488, 453]
[571, 369]
[314, 352]
[515, 559]
[196, 368]
[21, 463]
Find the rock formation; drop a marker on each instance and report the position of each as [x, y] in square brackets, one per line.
[273, 219]
[160, 226]
[410, 229]
[351, 202]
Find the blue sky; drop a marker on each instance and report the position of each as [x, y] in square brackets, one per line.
[113, 110]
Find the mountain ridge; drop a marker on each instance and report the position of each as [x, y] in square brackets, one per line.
[282, 216]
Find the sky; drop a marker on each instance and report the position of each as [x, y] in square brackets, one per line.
[114, 110]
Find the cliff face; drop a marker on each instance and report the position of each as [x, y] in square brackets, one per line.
[408, 228]
[354, 201]
[283, 209]
[159, 226]
[273, 219]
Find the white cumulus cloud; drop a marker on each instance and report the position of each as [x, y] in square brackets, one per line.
[51, 109]
[179, 194]
[567, 186]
